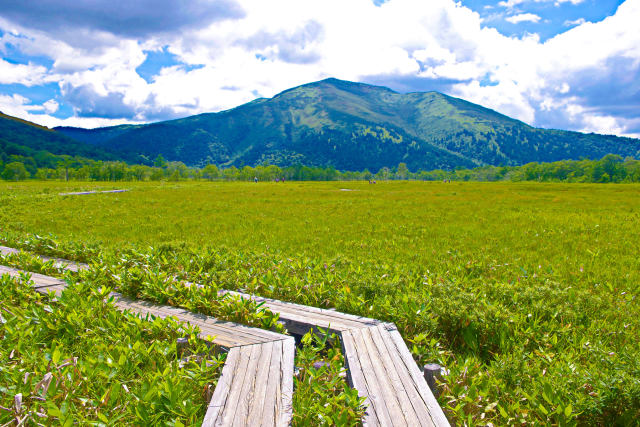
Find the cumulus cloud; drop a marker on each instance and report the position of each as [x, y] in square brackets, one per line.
[27, 75]
[294, 47]
[51, 106]
[20, 106]
[523, 17]
[575, 22]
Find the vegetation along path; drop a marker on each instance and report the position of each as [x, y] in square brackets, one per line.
[526, 292]
[257, 381]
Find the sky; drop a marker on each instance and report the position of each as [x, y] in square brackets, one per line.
[564, 64]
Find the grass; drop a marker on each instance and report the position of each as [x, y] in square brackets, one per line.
[527, 293]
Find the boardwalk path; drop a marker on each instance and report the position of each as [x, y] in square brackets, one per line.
[84, 193]
[379, 365]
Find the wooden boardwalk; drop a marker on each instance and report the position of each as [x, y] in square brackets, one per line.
[82, 193]
[256, 383]
[379, 365]
[58, 262]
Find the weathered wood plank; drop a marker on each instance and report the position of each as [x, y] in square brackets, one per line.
[356, 379]
[5, 250]
[262, 377]
[387, 391]
[247, 393]
[273, 401]
[391, 365]
[236, 386]
[288, 355]
[83, 193]
[58, 262]
[233, 333]
[435, 411]
[345, 320]
[221, 392]
[375, 391]
[38, 280]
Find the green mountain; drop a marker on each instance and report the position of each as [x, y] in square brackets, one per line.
[42, 147]
[354, 126]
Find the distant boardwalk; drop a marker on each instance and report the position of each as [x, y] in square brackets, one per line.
[82, 193]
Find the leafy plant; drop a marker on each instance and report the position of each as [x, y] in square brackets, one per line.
[322, 396]
[76, 359]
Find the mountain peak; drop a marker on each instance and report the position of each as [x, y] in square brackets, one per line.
[353, 126]
[338, 84]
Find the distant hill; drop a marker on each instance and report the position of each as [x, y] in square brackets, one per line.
[354, 126]
[26, 139]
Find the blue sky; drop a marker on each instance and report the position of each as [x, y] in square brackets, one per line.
[570, 64]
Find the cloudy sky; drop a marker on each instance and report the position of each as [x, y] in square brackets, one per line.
[570, 64]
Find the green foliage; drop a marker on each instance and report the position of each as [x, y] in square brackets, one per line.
[527, 293]
[40, 147]
[610, 168]
[322, 396]
[15, 171]
[75, 359]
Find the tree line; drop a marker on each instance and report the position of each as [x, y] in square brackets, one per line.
[611, 168]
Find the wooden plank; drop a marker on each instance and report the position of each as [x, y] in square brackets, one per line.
[386, 386]
[319, 313]
[288, 356]
[262, 377]
[247, 393]
[417, 402]
[273, 401]
[236, 387]
[375, 391]
[57, 290]
[83, 193]
[5, 250]
[355, 376]
[397, 386]
[232, 333]
[435, 411]
[221, 393]
[38, 280]
[58, 262]
[221, 338]
[249, 334]
[349, 321]
[256, 334]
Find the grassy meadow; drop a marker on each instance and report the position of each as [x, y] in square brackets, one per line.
[526, 293]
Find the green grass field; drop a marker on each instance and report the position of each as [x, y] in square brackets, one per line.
[527, 293]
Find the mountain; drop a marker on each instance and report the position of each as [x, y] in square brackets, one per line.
[21, 138]
[354, 126]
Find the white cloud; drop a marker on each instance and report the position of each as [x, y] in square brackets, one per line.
[27, 75]
[523, 17]
[19, 106]
[51, 106]
[574, 23]
[510, 4]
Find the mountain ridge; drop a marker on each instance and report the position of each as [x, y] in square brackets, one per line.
[41, 146]
[352, 126]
